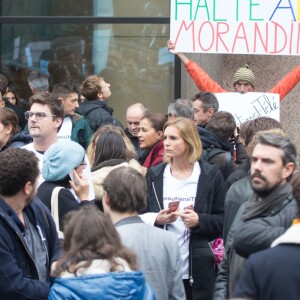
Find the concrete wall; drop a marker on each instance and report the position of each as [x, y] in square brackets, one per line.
[268, 71]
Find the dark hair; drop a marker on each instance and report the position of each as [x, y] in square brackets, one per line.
[39, 81]
[52, 101]
[89, 235]
[9, 117]
[209, 100]
[157, 121]
[126, 189]
[110, 145]
[295, 182]
[249, 128]
[90, 152]
[222, 124]
[3, 84]
[12, 90]
[62, 90]
[91, 87]
[18, 166]
[280, 142]
[184, 108]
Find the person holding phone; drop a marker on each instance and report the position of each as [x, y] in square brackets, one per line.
[63, 165]
[196, 190]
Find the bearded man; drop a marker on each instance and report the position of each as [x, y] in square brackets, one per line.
[28, 238]
[267, 214]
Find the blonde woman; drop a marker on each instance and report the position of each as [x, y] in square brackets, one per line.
[186, 196]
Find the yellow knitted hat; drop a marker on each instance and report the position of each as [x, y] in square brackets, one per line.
[244, 74]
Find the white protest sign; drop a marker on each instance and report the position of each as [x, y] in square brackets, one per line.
[249, 106]
[233, 26]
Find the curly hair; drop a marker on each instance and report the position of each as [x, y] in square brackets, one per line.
[18, 166]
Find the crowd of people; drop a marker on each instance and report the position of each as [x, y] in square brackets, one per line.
[183, 204]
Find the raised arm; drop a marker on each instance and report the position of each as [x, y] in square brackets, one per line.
[182, 56]
[287, 83]
[202, 80]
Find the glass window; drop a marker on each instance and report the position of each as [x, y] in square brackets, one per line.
[108, 8]
[131, 57]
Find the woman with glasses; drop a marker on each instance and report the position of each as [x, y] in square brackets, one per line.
[63, 164]
[186, 196]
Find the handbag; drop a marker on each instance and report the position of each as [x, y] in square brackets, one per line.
[54, 210]
[217, 247]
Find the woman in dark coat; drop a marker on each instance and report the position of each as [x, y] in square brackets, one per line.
[198, 189]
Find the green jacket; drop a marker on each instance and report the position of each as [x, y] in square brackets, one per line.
[81, 131]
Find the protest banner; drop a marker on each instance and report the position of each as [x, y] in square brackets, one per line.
[268, 27]
[250, 106]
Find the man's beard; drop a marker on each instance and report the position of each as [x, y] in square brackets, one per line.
[265, 189]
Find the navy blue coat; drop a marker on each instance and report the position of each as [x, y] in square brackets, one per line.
[271, 274]
[18, 272]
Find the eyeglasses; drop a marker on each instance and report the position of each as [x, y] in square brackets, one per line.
[38, 115]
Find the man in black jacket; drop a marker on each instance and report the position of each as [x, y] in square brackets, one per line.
[28, 238]
[95, 108]
[266, 215]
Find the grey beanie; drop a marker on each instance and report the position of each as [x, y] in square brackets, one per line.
[60, 159]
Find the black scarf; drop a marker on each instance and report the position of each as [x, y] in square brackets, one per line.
[262, 207]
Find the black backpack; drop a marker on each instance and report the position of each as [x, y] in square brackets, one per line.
[210, 152]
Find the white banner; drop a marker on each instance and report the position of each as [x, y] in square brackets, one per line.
[249, 106]
[236, 26]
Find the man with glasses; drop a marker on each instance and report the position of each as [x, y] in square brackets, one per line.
[44, 121]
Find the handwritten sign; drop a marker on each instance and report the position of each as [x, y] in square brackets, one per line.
[236, 26]
[250, 106]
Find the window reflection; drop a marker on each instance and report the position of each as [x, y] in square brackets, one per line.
[132, 58]
[112, 8]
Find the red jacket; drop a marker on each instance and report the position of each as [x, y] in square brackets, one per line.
[205, 83]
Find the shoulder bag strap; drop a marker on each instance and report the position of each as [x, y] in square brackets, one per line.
[54, 209]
